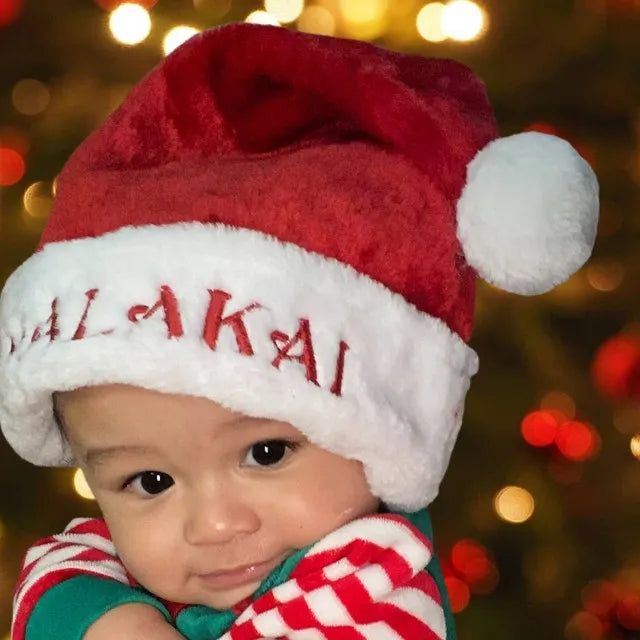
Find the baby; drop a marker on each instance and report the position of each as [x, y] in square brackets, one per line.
[247, 322]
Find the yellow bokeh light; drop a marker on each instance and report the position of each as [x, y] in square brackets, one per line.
[262, 17]
[318, 20]
[362, 11]
[463, 20]
[38, 200]
[514, 504]
[635, 446]
[429, 22]
[365, 19]
[81, 485]
[130, 23]
[30, 97]
[284, 11]
[176, 37]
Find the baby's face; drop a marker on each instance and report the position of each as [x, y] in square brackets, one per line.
[189, 489]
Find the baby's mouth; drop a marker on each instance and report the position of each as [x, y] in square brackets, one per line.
[241, 575]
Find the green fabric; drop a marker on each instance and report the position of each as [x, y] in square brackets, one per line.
[66, 611]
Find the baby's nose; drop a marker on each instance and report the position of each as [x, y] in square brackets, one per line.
[216, 517]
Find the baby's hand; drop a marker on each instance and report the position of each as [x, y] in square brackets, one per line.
[133, 621]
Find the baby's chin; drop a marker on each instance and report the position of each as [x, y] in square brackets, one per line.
[222, 600]
[195, 592]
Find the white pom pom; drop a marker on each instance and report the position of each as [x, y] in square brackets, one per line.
[528, 214]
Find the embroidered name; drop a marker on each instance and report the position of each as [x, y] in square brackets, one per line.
[221, 315]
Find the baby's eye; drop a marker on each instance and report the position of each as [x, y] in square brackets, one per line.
[268, 452]
[149, 483]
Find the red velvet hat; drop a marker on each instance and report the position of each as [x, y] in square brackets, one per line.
[291, 225]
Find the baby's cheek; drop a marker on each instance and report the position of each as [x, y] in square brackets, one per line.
[150, 555]
[317, 504]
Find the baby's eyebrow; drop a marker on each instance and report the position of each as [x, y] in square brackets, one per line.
[99, 455]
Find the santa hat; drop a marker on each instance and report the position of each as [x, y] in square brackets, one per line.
[291, 225]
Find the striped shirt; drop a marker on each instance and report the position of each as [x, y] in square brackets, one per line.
[365, 580]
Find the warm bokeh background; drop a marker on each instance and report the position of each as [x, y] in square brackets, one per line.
[538, 523]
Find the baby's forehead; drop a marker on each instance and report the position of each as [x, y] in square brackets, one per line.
[115, 414]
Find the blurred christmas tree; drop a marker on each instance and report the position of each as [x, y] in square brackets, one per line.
[538, 521]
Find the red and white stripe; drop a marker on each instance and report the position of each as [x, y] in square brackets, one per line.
[364, 581]
[84, 548]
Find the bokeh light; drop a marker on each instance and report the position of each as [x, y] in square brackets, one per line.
[362, 11]
[130, 23]
[469, 558]
[176, 37]
[9, 11]
[635, 446]
[628, 612]
[472, 562]
[284, 11]
[459, 593]
[604, 275]
[365, 19]
[38, 199]
[626, 419]
[317, 19]
[539, 428]
[12, 167]
[262, 17]
[600, 597]
[514, 504]
[81, 485]
[577, 440]
[616, 367]
[559, 401]
[463, 20]
[110, 5]
[30, 97]
[584, 626]
[429, 22]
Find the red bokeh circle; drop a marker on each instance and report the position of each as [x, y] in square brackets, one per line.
[539, 428]
[12, 167]
[576, 440]
[9, 11]
[459, 594]
[616, 367]
[628, 612]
